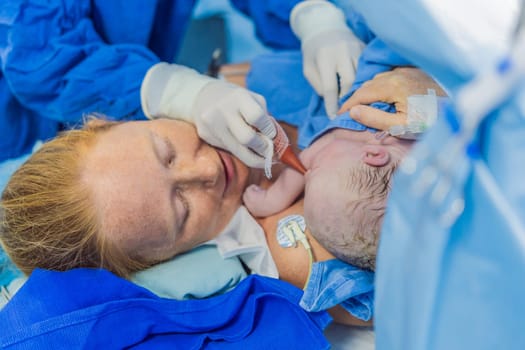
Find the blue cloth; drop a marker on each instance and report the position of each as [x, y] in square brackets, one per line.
[94, 309]
[461, 293]
[355, 21]
[271, 19]
[334, 282]
[279, 78]
[317, 123]
[424, 38]
[62, 59]
[290, 98]
[452, 286]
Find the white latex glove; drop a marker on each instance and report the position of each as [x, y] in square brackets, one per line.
[225, 115]
[329, 49]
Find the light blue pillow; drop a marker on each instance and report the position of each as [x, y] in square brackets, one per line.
[197, 274]
[8, 270]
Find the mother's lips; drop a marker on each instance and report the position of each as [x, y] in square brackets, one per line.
[228, 168]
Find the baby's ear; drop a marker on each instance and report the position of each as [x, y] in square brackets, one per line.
[375, 155]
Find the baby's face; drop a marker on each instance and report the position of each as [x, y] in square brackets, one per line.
[329, 181]
[159, 189]
[333, 152]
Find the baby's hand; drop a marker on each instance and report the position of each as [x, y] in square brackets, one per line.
[255, 200]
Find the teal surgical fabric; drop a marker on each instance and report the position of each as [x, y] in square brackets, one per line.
[197, 274]
[94, 309]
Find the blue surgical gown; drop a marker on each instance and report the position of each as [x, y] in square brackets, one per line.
[62, 59]
[94, 309]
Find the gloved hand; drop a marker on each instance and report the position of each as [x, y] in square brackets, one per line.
[225, 115]
[329, 49]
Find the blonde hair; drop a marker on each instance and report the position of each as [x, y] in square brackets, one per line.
[47, 215]
[346, 219]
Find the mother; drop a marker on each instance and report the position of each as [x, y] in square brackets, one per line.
[125, 196]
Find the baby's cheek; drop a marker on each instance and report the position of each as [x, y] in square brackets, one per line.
[316, 207]
[323, 206]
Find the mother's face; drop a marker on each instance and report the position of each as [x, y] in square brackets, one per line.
[159, 189]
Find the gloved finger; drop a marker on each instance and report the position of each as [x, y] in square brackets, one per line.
[329, 82]
[328, 73]
[249, 138]
[226, 140]
[330, 103]
[346, 71]
[259, 99]
[248, 157]
[314, 78]
[376, 118]
[261, 121]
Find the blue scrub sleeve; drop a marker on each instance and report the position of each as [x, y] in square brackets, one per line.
[57, 64]
[271, 19]
[355, 21]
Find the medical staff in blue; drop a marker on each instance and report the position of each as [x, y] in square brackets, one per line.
[63, 59]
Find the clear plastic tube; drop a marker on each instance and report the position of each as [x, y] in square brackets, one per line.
[282, 151]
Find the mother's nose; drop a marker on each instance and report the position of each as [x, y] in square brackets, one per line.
[199, 170]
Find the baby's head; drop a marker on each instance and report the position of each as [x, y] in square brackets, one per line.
[344, 210]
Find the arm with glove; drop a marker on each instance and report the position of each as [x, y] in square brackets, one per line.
[225, 115]
[330, 49]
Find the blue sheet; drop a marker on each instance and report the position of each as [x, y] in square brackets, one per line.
[94, 309]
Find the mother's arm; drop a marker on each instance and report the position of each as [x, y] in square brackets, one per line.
[293, 263]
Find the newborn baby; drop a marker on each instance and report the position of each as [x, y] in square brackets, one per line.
[345, 191]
